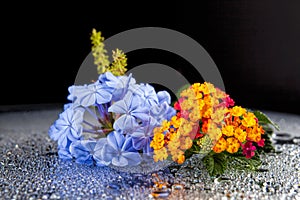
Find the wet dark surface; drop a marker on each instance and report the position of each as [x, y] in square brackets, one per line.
[30, 168]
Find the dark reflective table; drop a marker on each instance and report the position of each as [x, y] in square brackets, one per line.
[30, 168]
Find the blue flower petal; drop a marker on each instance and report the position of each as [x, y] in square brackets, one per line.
[125, 122]
[140, 132]
[120, 161]
[68, 127]
[170, 113]
[122, 87]
[149, 94]
[115, 140]
[98, 151]
[64, 154]
[147, 149]
[89, 95]
[164, 96]
[141, 113]
[68, 105]
[138, 142]
[88, 160]
[108, 79]
[99, 145]
[132, 158]
[63, 141]
[119, 107]
[82, 151]
[108, 153]
[52, 132]
[127, 145]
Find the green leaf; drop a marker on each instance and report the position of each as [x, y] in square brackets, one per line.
[215, 163]
[240, 162]
[264, 119]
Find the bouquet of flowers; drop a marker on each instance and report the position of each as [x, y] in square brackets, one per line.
[117, 122]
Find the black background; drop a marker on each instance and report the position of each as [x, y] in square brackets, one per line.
[255, 45]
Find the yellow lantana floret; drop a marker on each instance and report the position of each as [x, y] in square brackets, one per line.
[160, 154]
[228, 130]
[233, 145]
[238, 111]
[220, 145]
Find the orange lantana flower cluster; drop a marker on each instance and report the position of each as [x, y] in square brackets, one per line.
[206, 118]
[240, 127]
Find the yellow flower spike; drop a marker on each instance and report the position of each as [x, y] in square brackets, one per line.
[118, 66]
[203, 87]
[240, 134]
[233, 145]
[189, 93]
[99, 53]
[238, 111]
[199, 95]
[208, 100]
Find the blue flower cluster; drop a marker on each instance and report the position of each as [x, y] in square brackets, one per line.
[123, 115]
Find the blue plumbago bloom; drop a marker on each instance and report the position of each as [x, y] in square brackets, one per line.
[162, 111]
[89, 95]
[64, 153]
[119, 110]
[119, 151]
[83, 151]
[131, 110]
[109, 81]
[67, 128]
[163, 96]
[123, 86]
[68, 105]
[142, 137]
[117, 86]
[148, 95]
[98, 151]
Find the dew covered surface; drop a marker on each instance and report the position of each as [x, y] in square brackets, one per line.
[30, 169]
